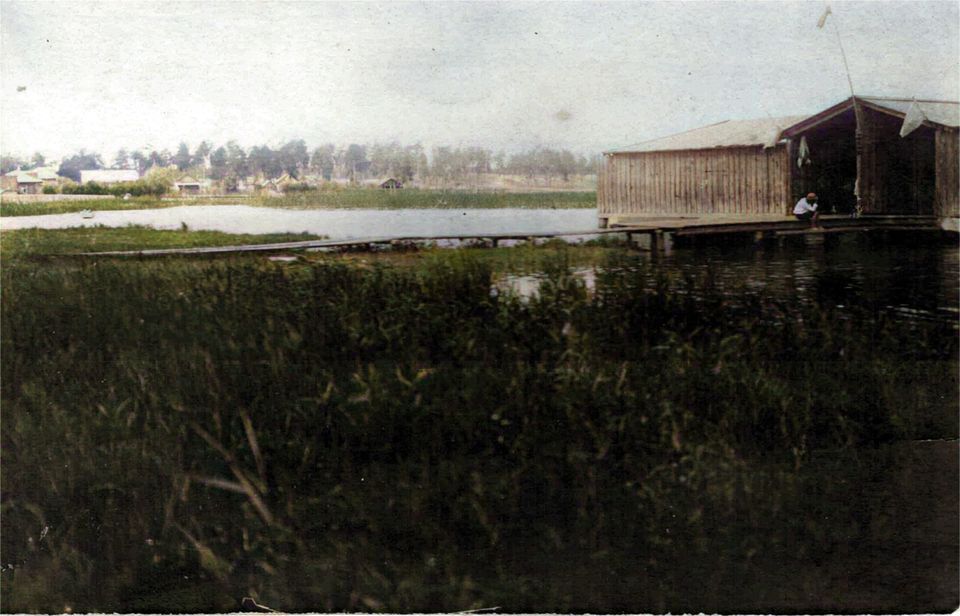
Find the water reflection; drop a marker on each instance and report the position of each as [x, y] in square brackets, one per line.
[907, 276]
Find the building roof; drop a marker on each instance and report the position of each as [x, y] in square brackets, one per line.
[108, 176]
[24, 177]
[730, 133]
[187, 181]
[767, 132]
[46, 173]
[945, 113]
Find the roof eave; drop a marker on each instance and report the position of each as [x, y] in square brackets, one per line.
[844, 106]
[706, 149]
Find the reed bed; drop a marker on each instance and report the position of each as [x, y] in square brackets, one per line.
[352, 198]
[332, 198]
[41, 243]
[179, 434]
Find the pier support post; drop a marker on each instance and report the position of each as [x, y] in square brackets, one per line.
[656, 242]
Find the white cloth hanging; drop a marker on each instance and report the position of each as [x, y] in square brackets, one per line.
[913, 120]
[803, 155]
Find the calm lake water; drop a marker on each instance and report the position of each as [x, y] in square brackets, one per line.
[337, 224]
[913, 276]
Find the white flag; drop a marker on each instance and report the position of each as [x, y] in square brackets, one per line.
[823, 18]
[914, 118]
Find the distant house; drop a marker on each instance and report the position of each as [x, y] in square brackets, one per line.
[188, 186]
[22, 182]
[105, 177]
[268, 186]
[391, 184]
[48, 175]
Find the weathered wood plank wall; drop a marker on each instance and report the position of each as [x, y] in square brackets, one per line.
[948, 172]
[872, 197]
[736, 180]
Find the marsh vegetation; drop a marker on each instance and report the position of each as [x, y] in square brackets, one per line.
[333, 198]
[398, 436]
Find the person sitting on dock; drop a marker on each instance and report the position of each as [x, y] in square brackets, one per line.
[806, 209]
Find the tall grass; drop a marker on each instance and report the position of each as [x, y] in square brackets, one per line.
[339, 198]
[32, 243]
[179, 434]
[429, 199]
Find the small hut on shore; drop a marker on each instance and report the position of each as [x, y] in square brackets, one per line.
[759, 168]
[188, 185]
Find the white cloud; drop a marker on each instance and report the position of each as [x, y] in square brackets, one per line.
[111, 75]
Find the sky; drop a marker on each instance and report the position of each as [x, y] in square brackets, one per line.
[586, 76]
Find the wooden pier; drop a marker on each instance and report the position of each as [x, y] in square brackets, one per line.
[658, 233]
[654, 234]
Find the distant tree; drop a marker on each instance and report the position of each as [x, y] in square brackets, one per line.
[182, 158]
[200, 154]
[423, 165]
[500, 161]
[122, 159]
[323, 160]
[381, 159]
[237, 160]
[264, 160]
[566, 164]
[354, 156]
[443, 163]
[158, 159]
[218, 163]
[71, 167]
[140, 162]
[38, 159]
[9, 163]
[412, 162]
[293, 157]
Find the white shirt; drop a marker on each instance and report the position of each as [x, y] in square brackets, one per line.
[802, 206]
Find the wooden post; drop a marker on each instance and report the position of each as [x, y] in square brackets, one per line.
[656, 241]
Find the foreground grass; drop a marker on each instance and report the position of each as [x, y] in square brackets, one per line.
[8, 208]
[329, 436]
[39, 243]
[47, 242]
[350, 198]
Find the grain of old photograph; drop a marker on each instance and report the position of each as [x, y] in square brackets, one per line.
[480, 307]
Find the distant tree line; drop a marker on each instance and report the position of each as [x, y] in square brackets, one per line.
[230, 163]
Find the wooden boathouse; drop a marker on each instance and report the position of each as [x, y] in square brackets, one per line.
[756, 170]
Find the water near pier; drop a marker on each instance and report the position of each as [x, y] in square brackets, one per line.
[336, 224]
[907, 276]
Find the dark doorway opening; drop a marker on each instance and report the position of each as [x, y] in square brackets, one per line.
[830, 170]
[902, 175]
[898, 174]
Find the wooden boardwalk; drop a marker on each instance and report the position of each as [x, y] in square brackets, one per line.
[658, 232]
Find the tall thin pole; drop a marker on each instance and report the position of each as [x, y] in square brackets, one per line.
[858, 114]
